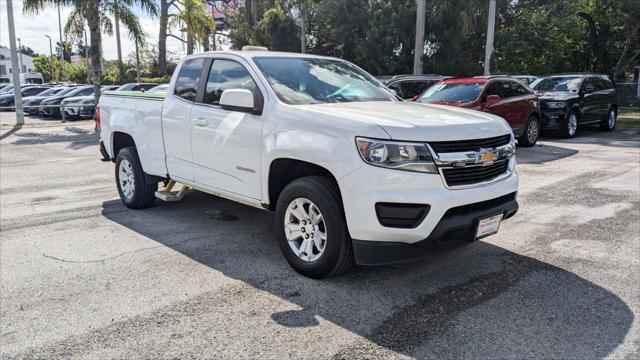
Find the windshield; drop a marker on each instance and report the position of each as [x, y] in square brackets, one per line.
[77, 90]
[452, 92]
[49, 92]
[559, 83]
[299, 81]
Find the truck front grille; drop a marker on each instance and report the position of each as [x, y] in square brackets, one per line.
[469, 175]
[469, 145]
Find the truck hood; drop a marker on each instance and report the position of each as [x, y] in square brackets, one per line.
[418, 122]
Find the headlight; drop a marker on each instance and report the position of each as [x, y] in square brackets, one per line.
[396, 155]
[556, 105]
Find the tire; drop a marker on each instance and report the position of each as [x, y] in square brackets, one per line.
[570, 125]
[609, 124]
[139, 194]
[337, 254]
[531, 132]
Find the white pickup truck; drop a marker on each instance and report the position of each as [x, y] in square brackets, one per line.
[353, 174]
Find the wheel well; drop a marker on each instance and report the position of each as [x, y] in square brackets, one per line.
[121, 140]
[284, 171]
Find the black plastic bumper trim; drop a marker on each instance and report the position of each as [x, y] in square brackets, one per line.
[398, 215]
[457, 227]
[104, 153]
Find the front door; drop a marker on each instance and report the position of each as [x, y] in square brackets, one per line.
[226, 144]
[176, 126]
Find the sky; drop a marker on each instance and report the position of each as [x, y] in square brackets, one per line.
[31, 29]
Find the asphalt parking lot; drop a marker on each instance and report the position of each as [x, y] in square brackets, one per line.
[81, 276]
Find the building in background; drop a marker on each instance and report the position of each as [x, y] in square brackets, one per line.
[5, 62]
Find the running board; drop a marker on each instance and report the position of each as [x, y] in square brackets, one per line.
[165, 194]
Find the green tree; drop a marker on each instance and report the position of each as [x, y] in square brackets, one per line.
[194, 21]
[96, 13]
[278, 31]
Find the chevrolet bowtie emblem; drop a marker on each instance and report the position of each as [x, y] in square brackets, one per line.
[487, 156]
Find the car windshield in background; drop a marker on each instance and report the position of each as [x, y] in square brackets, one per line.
[452, 92]
[300, 81]
[558, 83]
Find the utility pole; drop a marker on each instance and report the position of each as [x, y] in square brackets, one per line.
[303, 27]
[488, 49]
[61, 43]
[421, 10]
[51, 56]
[14, 65]
[20, 52]
[137, 63]
[86, 55]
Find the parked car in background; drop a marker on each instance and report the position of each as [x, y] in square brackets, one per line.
[409, 87]
[499, 95]
[8, 99]
[73, 106]
[57, 100]
[527, 79]
[30, 103]
[570, 100]
[136, 87]
[160, 89]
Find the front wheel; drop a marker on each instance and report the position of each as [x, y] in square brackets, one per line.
[610, 123]
[570, 125]
[311, 228]
[135, 192]
[531, 132]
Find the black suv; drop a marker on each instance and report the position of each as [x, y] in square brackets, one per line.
[409, 87]
[569, 100]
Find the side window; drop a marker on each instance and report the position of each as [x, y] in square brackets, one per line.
[87, 91]
[187, 82]
[588, 85]
[500, 88]
[517, 89]
[607, 83]
[226, 74]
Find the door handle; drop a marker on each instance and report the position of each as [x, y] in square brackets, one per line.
[200, 121]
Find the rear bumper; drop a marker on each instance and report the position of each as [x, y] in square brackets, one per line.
[456, 228]
[104, 153]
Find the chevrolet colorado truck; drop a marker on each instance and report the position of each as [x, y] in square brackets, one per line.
[353, 174]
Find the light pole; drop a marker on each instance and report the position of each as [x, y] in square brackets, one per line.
[488, 49]
[14, 65]
[61, 43]
[51, 56]
[20, 52]
[421, 10]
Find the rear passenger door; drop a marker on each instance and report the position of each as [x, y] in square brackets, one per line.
[226, 144]
[176, 120]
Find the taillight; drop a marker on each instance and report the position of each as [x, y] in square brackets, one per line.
[98, 117]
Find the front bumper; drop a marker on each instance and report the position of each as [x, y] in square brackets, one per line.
[457, 227]
[369, 185]
[552, 119]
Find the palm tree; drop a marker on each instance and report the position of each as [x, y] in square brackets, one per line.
[194, 20]
[96, 13]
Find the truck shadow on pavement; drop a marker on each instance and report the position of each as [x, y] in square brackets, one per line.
[478, 301]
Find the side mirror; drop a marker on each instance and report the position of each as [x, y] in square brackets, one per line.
[589, 89]
[237, 100]
[492, 99]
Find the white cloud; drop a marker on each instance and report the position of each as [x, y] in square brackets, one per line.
[31, 28]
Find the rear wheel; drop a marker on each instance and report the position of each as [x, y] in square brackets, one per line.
[531, 132]
[570, 125]
[610, 122]
[133, 188]
[311, 228]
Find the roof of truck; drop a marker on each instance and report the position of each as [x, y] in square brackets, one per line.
[252, 54]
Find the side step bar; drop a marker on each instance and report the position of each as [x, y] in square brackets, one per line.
[166, 193]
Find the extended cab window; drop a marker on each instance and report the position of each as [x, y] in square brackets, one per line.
[226, 74]
[187, 82]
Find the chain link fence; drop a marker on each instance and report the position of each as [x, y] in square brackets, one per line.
[628, 95]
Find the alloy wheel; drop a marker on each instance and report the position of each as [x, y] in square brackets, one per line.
[305, 229]
[532, 131]
[573, 124]
[126, 178]
[612, 119]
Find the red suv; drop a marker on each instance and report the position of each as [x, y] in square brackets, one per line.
[502, 96]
